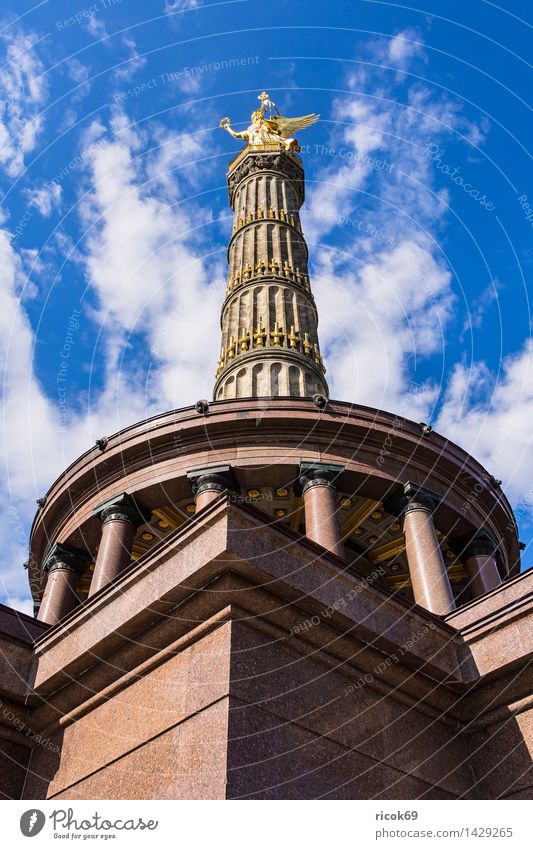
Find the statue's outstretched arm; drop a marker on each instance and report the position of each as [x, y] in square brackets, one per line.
[225, 124]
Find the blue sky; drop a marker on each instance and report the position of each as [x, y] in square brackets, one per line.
[114, 217]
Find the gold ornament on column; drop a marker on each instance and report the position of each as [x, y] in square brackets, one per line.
[293, 338]
[259, 335]
[276, 335]
[244, 340]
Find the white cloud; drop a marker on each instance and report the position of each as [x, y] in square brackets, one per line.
[379, 167]
[479, 307]
[35, 446]
[25, 410]
[46, 197]
[378, 138]
[144, 263]
[490, 415]
[190, 84]
[96, 27]
[23, 91]
[385, 296]
[174, 6]
[70, 117]
[173, 163]
[14, 590]
[135, 62]
[77, 71]
[379, 318]
[124, 70]
[403, 47]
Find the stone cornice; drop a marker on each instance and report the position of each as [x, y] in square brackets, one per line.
[264, 161]
[167, 446]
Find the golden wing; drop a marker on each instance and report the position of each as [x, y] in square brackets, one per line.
[288, 126]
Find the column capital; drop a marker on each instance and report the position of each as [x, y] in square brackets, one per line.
[215, 478]
[473, 545]
[122, 508]
[67, 558]
[411, 496]
[318, 474]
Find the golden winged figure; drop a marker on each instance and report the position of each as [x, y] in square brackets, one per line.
[276, 129]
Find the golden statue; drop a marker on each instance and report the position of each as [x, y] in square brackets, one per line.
[276, 129]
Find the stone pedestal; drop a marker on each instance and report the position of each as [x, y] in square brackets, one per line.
[318, 486]
[479, 557]
[429, 579]
[208, 484]
[64, 565]
[120, 519]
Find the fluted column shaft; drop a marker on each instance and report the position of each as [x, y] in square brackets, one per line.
[64, 566]
[120, 519]
[318, 485]
[269, 342]
[429, 578]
